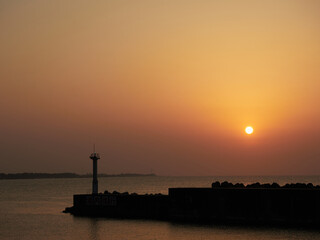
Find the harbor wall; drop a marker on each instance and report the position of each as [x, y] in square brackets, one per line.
[122, 206]
[275, 206]
[247, 205]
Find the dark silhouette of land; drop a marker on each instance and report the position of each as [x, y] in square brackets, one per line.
[265, 185]
[65, 175]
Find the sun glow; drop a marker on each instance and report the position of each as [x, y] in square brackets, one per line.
[249, 130]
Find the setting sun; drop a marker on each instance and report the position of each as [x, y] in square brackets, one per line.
[249, 130]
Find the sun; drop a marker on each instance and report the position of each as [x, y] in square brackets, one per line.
[249, 130]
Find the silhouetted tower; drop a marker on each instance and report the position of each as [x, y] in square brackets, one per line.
[95, 156]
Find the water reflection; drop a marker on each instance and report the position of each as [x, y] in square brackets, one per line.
[94, 229]
[236, 232]
[114, 229]
[32, 210]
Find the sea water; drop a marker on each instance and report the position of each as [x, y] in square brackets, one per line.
[32, 209]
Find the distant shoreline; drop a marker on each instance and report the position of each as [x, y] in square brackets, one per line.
[66, 175]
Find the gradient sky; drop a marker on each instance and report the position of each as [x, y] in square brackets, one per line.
[160, 86]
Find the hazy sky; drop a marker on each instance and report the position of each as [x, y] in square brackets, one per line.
[163, 86]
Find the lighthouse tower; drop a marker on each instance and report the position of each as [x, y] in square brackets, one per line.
[95, 156]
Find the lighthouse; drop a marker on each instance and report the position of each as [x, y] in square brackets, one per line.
[95, 156]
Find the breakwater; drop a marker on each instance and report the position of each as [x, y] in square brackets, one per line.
[262, 204]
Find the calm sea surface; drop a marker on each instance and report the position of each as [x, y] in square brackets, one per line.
[32, 209]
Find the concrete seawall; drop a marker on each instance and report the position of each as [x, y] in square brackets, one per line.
[121, 206]
[254, 205]
[263, 206]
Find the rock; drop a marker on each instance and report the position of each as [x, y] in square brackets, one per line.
[215, 185]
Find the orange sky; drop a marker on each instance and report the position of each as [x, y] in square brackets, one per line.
[162, 86]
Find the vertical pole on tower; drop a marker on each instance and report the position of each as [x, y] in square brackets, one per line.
[94, 156]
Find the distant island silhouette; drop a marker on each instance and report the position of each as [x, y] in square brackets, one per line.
[66, 175]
